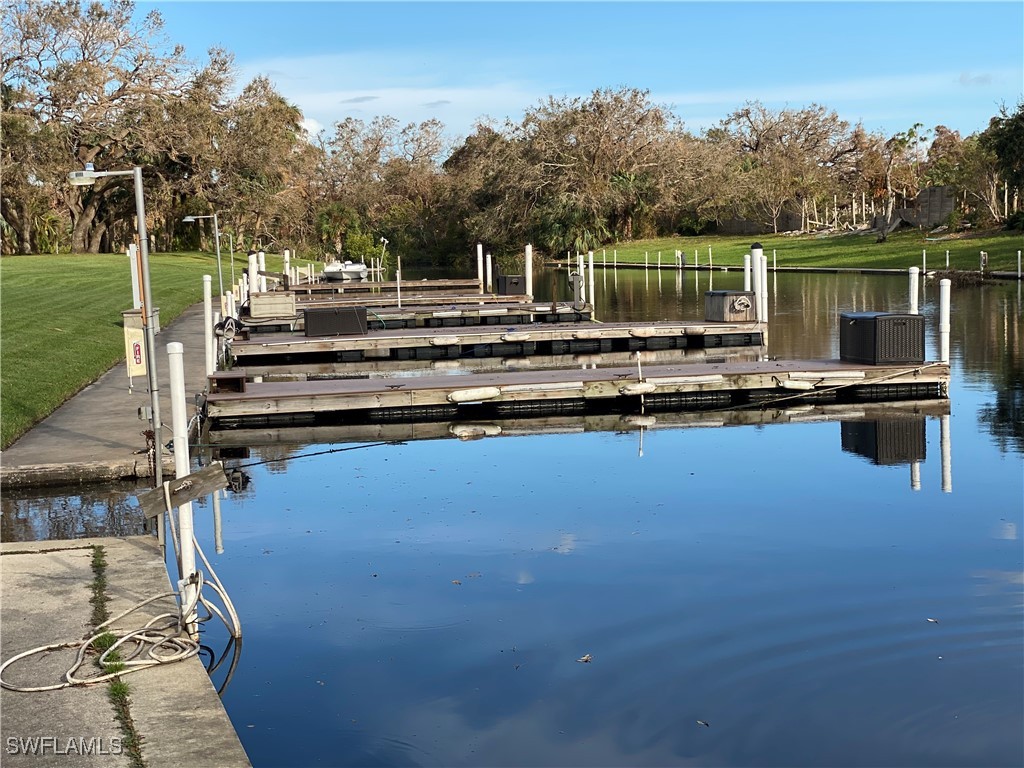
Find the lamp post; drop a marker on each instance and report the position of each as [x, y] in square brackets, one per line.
[86, 178]
[216, 239]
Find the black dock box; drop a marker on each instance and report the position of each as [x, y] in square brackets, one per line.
[511, 285]
[335, 321]
[881, 337]
[729, 307]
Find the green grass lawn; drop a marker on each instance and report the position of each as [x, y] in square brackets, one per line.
[60, 316]
[901, 251]
[61, 324]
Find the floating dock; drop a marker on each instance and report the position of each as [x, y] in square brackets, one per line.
[234, 401]
[511, 340]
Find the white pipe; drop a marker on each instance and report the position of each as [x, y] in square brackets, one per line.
[480, 265]
[489, 267]
[179, 424]
[262, 256]
[254, 277]
[945, 450]
[208, 338]
[590, 266]
[1018, 265]
[764, 287]
[756, 280]
[947, 259]
[944, 287]
[528, 270]
[746, 273]
[287, 261]
[398, 279]
[924, 261]
[231, 305]
[581, 268]
[914, 289]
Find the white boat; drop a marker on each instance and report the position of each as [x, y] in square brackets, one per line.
[345, 270]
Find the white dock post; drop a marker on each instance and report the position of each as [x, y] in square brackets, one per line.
[646, 261]
[254, 278]
[480, 265]
[615, 258]
[659, 261]
[774, 266]
[914, 289]
[287, 261]
[398, 279]
[711, 264]
[924, 261]
[489, 268]
[944, 286]
[604, 257]
[764, 287]
[1018, 265]
[528, 270]
[581, 268]
[262, 260]
[946, 452]
[208, 338]
[590, 266]
[756, 252]
[947, 259]
[746, 273]
[231, 305]
[179, 424]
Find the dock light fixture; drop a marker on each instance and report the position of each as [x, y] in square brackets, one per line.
[86, 178]
[216, 240]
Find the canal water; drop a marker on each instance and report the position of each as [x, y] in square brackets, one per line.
[580, 591]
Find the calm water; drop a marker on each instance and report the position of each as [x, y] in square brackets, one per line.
[751, 595]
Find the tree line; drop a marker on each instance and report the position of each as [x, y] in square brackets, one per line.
[92, 83]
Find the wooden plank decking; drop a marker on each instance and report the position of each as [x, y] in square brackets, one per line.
[678, 387]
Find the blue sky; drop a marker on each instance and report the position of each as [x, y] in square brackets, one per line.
[888, 65]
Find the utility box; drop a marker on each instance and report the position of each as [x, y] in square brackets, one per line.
[881, 337]
[335, 321]
[132, 318]
[886, 441]
[511, 285]
[729, 307]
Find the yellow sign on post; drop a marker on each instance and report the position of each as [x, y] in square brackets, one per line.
[135, 351]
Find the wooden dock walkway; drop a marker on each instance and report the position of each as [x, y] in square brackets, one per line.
[676, 387]
[488, 341]
[223, 441]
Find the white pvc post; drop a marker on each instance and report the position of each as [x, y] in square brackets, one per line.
[254, 274]
[615, 258]
[758, 309]
[914, 288]
[581, 268]
[946, 453]
[746, 272]
[774, 266]
[208, 338]
[711, 264]
[590, 266]
[231, 305]
[528, 270]
[646, 261]
[696, 257]
[262, 256]
[659, 261]
[924, 261]
[287, 261]
[764, 286]
[179, 425]
[489, 268]
[944, 289]
[480, 265]
[947, 259]
[398, 279]
[1018, 265]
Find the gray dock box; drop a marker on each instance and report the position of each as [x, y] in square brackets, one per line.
[881, 337]
[335, 321]
[729, 307]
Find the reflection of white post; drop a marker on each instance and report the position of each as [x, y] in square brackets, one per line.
[914, 288]
[208, 339]
[179, 423]
[944, 446]
[528, 270]
[480, 265]
[218, 533]
[944, 285]
[915, 475]
[590, 266]
[746, 273]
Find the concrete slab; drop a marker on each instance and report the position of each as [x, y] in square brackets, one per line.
[45, 588]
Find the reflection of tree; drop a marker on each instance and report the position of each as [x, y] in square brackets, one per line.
[1005, 417]
[69, 513]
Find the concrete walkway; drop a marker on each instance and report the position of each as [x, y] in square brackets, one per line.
[45, 590]
[176, 712]
[97, 436]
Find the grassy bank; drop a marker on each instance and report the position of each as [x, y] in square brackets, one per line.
[60, 316]
[60, 322]
[900, 251]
